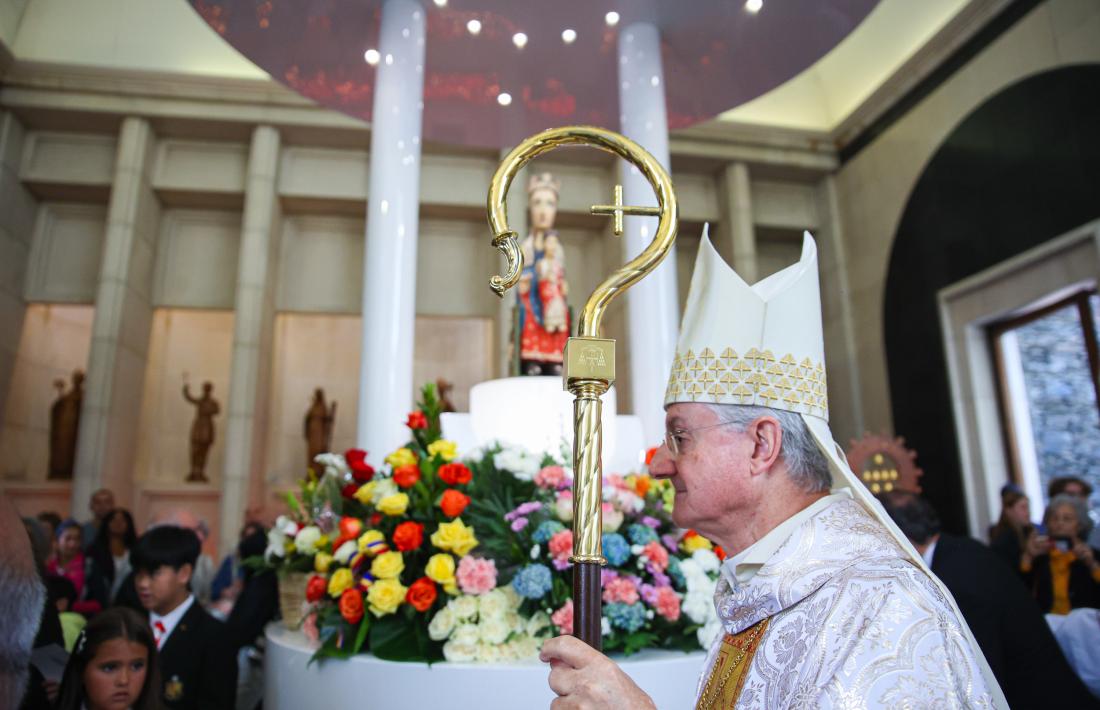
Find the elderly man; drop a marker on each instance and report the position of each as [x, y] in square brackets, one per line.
[100, 504]
[823, 602]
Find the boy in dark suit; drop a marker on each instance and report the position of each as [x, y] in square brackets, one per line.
[198, 667]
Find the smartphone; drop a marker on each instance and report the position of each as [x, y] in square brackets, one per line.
[1064, 544]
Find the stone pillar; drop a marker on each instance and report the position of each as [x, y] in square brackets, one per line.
[735, 198]
[120, 329]
[517, 220]
[17, 210]
[653, 311]
[389, 261]
[253, 322]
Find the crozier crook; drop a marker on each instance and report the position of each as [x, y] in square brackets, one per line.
[589, 359]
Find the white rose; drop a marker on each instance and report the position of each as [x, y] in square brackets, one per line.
[493, 630]
[696, 607]
[708, 633]
[466, 634]
[563, 508]
[346, 551]
[488, 653]
[307, 538]
[535, 550]
[493, 603]
[464, 607]
[539, 620]
[605, 626]
[442, 624]
[383, 488]
[612, 520]
[335, 464]
[707, 560]
[276, 543]
[515, 622]
[514, 599]
[690, 568]
[457, 652]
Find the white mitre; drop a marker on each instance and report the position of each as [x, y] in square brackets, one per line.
[763, 345]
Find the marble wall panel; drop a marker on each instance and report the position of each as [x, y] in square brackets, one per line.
[66, 253]
[329, 173]
[74, 158]
[321, 265]
[196, 261]
[201, 166]
[785, 205]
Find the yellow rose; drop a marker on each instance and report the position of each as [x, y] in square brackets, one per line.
[695, 542]
[401, 457]
[447, 450]
[441, 569]
[387, 565]
[321, 562]
[384, 596]
[341, 579]
[394, 504]
[363, 495]
[368, 542]
[454, 537]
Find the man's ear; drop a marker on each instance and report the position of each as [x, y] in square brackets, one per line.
[767, 440]
[183, 574]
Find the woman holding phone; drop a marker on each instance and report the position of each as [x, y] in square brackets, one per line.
[1062, 571]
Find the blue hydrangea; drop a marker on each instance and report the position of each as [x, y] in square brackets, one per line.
[675, 572]
[640, 534]
[627, 617]
[615, 549]
[546, 530]
[533, 581]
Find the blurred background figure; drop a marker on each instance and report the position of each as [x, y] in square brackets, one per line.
[100, 504]
[1059, 568]
[229, 579]
[110, 555]
[49, 522]
[1008, 537]
[1078, 633]
[1080, 489]
[256, 605]
[69, 562]
[61, 595]
[1008, 626]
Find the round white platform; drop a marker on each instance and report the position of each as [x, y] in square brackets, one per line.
[367, 682]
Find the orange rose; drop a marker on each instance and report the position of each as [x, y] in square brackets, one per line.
[406, 476]
[641, 485]
[417, 420]
[351, 605]
[421, 594]
[316, 588]
[453, 503]
[408, 536]
[455, 474]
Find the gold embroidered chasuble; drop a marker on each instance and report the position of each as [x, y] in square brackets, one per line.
[844, 620]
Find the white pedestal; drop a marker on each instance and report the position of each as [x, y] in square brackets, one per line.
[290, 683]
[535, 413]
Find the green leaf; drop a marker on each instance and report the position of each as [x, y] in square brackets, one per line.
[361, 636]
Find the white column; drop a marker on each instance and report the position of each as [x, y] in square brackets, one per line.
[736, 201]
[254, 312]
[17, 210]
[389, 262]
[653, 311]
[120, 329]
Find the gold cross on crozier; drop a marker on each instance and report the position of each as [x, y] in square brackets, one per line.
[619, 209]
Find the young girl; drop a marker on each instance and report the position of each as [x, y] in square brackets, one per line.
[113, 666]
[69, 562]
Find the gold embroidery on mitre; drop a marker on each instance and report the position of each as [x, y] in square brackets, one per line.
[759, 378]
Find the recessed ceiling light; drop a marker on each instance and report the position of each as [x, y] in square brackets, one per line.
[441, 3]
[474, 26]
[754, 6]
[611, 18]
[568, 36]
[372, 56]
[504, 98]
[520, 40]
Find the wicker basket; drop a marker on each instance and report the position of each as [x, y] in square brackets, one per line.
[292, 597]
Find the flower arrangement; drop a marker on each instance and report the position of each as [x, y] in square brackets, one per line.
[431, 558]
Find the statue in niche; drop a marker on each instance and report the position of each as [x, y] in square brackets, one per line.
[64, 425]
[444, 387]
[543, 320]
[202, 429]
[317, 427]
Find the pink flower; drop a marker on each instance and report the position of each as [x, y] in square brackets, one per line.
[563, 505]
[519, 524]
[551, 477]
[623, 590]
[476, 575]
[561, 545]
[657, 556]
[309, 628]
[563, 618]
[612, 518]
[668, 603]
[649, 594]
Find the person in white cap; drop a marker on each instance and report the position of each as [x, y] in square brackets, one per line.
[823, 602]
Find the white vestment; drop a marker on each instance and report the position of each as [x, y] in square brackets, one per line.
[854, 623]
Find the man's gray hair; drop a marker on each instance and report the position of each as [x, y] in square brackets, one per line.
[806, 464]
[22, 597]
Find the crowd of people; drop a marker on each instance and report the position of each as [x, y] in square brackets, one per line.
[141, 621]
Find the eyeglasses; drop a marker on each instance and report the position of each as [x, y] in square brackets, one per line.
[673, 438]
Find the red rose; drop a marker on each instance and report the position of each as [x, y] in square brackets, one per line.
[406, 476]
[454, 474]
[375, 519]
[421, 594]
[349, 490]
[351, 605]
[408, 536]
[417, 420]
[350, 527]
[361, 471]
[453, 503]
[315, 588]
[720, 552]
